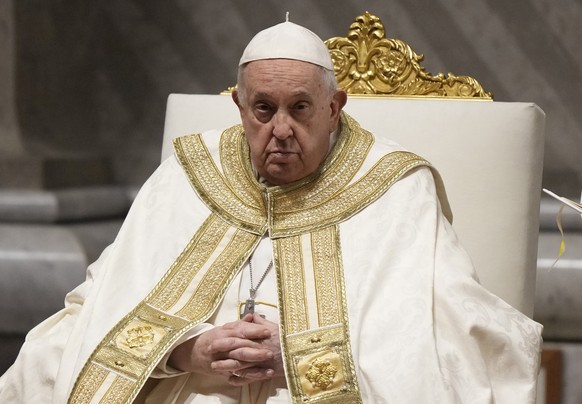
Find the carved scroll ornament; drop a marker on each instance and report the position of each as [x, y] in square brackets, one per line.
[366, 62]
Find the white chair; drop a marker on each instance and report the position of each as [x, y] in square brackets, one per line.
[488, 153]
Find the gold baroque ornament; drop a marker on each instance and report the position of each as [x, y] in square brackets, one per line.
[366, 62]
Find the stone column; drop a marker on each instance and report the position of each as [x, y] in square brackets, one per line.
[10, 142]
[49, 135]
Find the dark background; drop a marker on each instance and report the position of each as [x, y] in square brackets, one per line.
[89, 80]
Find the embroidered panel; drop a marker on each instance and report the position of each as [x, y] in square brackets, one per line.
[329, 196]
[136, 344]
[317, 353]
[303, 223]
[212, 187]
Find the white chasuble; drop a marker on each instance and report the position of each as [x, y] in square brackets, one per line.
[377, 302]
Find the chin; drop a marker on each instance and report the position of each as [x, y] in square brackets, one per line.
[281, 176]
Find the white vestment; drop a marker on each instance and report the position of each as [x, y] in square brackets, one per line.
[421, 327]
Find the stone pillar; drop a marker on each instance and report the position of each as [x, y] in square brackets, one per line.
[10, 142]
[48, 115]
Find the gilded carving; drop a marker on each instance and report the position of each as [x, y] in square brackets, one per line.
[366, 62]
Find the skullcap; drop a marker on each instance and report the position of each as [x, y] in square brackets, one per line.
[287, 41]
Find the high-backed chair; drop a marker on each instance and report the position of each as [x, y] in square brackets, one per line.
[489, 153]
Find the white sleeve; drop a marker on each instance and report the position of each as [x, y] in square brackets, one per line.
[422, 327]
[487, 350]
[32, 376]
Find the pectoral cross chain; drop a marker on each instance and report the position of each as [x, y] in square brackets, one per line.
[250, 302]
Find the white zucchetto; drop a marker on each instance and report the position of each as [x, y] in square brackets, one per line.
[287, 41]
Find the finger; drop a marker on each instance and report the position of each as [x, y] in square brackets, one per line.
[271, 326]
[258, 319]
[251, 354]
[239, 378]
[256, 374]
[248, 318]
[228, 365]
[253, 331]
[246, 329]
[225, 345]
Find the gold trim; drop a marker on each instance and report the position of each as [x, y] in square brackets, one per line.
[330, 195]
[176, 280]
[214, 189]
[325, 252]
[289, 265]
[239, 172]
[214, 271]
[323, 203]
[303, 222]
[118, 392]
[309, 347]
[366, 62]
[88, 384]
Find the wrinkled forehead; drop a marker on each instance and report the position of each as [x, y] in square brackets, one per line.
[277, 74]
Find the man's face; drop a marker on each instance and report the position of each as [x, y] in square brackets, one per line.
[288, 114]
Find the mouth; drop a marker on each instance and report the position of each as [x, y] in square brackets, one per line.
[278, 155]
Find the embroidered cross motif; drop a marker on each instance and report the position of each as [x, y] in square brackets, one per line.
[140, 336]
[321, 373]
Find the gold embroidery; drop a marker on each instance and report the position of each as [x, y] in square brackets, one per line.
[305, 344]
[192, 288]
[290, 275]
[325, 252]
[114, 353]
[329, 196]
[89, 383]
[186, 266]
[214, 189]
[118, 392]
[310, 354]
[139, 336]
[347, 203]
[321, 373]
[214, 283]
[238, 172]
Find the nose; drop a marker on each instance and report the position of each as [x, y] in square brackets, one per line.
[281, 125]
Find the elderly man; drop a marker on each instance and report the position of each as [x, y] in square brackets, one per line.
[294, 258]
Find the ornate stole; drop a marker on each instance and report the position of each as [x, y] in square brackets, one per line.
[303, 223]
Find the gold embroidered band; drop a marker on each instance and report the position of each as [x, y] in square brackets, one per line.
[187, 295]
[314, 323]
[303, 222]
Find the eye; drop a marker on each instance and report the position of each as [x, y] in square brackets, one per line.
[302, 109]
[263, 111]
[262, 107]
[301, 106]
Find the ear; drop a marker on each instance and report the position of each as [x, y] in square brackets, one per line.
[236, 100]
[338, 101]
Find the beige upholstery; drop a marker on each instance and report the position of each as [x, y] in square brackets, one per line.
[488, 153]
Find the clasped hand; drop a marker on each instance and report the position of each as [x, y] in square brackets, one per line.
[244, 351]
